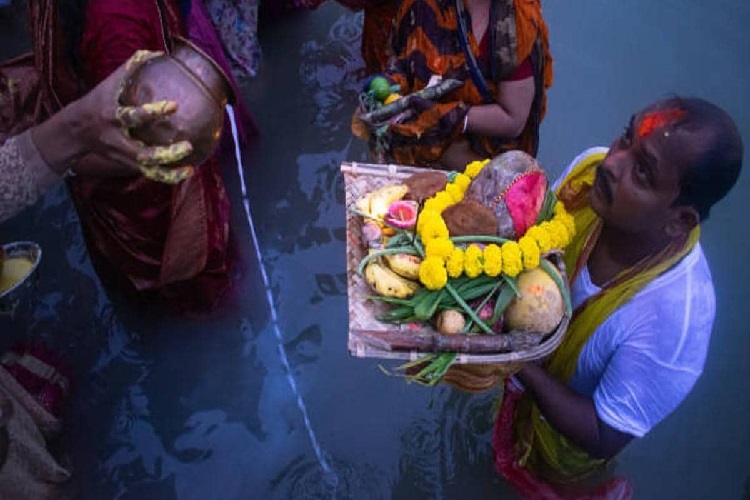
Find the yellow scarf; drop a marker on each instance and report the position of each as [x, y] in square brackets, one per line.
[542, 449]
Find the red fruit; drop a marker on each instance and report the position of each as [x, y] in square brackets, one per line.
[524, 200]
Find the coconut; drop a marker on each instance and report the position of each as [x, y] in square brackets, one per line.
[540, 307]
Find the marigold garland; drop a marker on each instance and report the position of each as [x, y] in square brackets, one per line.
[473, 261]
[443, 258]
[512, 258]
[432, 273]
[493, 260]
[455, 263]
[438, 247]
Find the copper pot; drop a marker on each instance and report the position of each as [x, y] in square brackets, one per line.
[201, 89]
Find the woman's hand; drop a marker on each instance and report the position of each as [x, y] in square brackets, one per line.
[98, 125]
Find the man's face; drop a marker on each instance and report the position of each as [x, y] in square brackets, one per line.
[639, 180]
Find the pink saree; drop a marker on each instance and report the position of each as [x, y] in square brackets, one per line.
[169, 244]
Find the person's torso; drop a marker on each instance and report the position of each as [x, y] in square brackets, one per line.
[671, 318]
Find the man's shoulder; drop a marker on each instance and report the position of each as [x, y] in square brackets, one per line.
[682, 295]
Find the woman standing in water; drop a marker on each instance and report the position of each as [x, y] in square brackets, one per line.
[161, 243]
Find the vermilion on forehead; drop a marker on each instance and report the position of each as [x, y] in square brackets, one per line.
[658, 119]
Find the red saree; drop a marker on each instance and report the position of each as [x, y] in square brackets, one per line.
[169, 243]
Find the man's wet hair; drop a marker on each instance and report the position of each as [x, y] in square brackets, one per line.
[716, 168]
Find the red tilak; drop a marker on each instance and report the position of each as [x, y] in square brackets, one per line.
[658, 119]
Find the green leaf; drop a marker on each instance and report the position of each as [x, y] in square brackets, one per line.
[512, 284]
[430, 307]
[560, 284]
[478, 309]
[504, 298]
[548, 206]
[393, 300]
[469, 311]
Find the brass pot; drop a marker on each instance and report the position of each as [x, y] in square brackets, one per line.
[201, 90]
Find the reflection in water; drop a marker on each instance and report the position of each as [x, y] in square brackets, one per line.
[333, 71]
[457, 424]
[207, 461]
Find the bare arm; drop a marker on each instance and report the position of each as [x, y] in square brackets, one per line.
[508, 117]
[33, 161]
[571, 414]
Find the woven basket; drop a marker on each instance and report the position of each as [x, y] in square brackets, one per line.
[365, 331]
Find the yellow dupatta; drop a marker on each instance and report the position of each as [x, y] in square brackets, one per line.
[541, 448]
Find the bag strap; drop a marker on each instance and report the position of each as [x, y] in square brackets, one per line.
[463, 38]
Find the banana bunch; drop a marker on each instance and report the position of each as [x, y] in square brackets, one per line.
[376, 202]
[386, 282]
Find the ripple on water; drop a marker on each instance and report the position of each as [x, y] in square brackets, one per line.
[303, 478]
[457, 429]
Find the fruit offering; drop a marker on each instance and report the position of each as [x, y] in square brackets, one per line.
[466, 254]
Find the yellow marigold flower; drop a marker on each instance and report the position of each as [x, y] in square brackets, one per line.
[493, 260]
[563, 238]
[432, 273]
[424, 217]
[455, 191]
[438, 247]
[569, 222]
[559, 208]
[530, 251]
[455, 263]
[473, 261]
[445, 199]
[434, 228]
[512, 258]
[473, 168]
[541, 237]
[435, 205]
[463, 181]
[554, 237]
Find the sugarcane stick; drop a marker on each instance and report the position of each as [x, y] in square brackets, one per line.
[468, 344]
[378, 116]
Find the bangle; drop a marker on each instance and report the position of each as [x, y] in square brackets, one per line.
[466, 122]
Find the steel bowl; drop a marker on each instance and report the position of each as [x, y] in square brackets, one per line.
[23, 289]
[199, 86]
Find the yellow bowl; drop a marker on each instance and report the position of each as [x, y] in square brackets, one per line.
[20, 275]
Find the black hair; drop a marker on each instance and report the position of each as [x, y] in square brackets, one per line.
[717, 166]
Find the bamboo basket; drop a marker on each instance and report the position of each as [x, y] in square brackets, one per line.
[368, 337]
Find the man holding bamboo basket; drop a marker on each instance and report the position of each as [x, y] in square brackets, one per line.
[642, 297]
